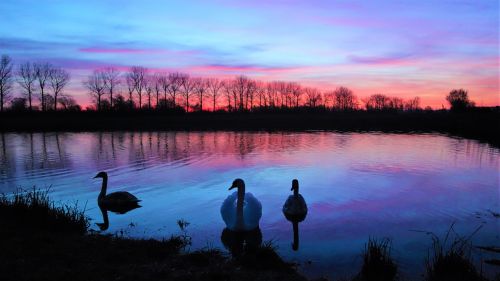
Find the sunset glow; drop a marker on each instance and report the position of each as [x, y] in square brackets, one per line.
[406, 49]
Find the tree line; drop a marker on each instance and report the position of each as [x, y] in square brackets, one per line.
[139, 88]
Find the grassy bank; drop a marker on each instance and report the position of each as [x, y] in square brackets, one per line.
[478, 124]
[42, 241]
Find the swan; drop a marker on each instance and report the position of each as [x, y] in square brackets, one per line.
[119, 202]
[241, 211]
[295, 207]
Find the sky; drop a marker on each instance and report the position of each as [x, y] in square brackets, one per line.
[402, 48]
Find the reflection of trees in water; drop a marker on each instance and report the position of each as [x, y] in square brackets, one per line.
[7, 159]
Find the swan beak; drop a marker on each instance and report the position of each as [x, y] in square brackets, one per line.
[291, 188]
[95, 177]
[232, 186]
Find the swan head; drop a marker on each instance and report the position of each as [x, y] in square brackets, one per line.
[101, 175]
[295, 185]
[237, 183]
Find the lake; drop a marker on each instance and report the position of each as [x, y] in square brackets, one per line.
[356, 185]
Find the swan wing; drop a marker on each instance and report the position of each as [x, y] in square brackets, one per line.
[228, 210]
[252, 212]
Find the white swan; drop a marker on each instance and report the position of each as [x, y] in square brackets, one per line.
[120, 200]
[295, 208]
[241, 211]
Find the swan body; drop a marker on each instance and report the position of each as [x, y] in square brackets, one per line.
[295, 207]
[241, 211]
[117, 201]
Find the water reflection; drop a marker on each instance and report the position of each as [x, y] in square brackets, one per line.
[241, 242]
[380, 185]
[115, 209]
[295, 211]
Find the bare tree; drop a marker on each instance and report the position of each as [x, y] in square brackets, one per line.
[138, 75]
[214, 86]
[296, 92]
[58, 80]
[95, 85]
[156, 81]
[175, 80]
[201, 89]
[187, 87]
[313, 96]
[112, 81]
[149, 86]
[165, 86]
[42, 72]
[26, 80]
[412, 104]
[6, 79]
[344, 99]
[260, 90]
[227, 86]
[130, 87]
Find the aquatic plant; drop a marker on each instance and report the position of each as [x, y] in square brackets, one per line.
[450, 259]
[378, 264]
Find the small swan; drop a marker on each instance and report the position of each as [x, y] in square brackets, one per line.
[241, 211]
[295, 208]
[118, 202]
[295, 211]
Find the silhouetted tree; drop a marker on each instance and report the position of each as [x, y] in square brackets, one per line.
[313, 97]
[377, 102]
[58, 80]
[112, 81]
[18, 104]
[175, 83]
[156, 84]
[68, 103]
[296, 92]
[42, 73]
[6, 79]
[130, 88]
[459, 100]
[138, 76]
[201, 90]
[412, 104]
[344, 99]
[165, 86]
[26, 80]
[95, 85]
[227, 87]
[187, 87]
[149, 86]
[260, 91]
[214, 86]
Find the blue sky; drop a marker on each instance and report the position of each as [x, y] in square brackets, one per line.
[405, 48]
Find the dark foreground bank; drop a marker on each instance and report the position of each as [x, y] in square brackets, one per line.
[481, 124]
[40, 241]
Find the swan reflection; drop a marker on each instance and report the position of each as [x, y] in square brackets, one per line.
[295, 211]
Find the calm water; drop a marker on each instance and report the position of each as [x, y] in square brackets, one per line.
[356, 186]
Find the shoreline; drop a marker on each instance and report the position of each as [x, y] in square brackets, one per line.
[479, 125]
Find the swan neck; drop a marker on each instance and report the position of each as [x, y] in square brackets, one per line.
[296, 191]
[239, 207]
[104, 186]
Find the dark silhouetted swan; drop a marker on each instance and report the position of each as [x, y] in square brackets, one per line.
[295, 211]
[295, 208]
[118, 201]
[241, 211]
